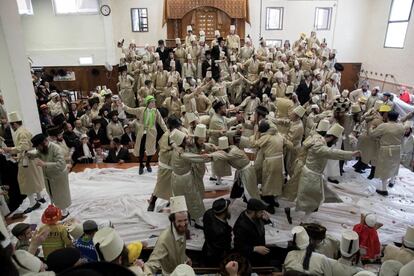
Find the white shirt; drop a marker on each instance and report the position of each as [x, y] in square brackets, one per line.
[86, 151]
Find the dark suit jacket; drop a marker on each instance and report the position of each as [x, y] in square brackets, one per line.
[78, 153]
[125, 139]
[217, 235]
[101, 136]
[204, 66]
[215, 52]
[71, 139]
[163, 55]
[177, 65]
[112, 157]
[215, 55]
[72, 118]
[303, 91]
[247, 235]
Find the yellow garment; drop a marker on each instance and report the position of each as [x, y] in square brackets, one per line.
[58, 238]
[134, 251]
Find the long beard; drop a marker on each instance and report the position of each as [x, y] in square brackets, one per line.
[44, 150]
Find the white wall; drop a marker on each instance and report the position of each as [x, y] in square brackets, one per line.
[121, 16]
[350, 29]
[347, 18]
[53, 40]
[15, 79]
[298, 17]
[357, 32]
[380, 60]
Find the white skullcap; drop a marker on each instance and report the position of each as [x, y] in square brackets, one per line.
[371, 220]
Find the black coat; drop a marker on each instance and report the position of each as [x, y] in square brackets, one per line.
[247, 235]
[71, 139]
[125, 139]
[8, 177]
[163, 55]
[204, 66]
[112, 157]
[303, 91]
[215, 55]
[177, 66]
[72, 118]
[78, 153]
[217, 234]
[99, 136]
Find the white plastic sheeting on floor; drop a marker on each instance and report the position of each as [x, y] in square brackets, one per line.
[121, 197]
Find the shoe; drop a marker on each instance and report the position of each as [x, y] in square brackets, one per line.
[30, 209]
[287, 212]
[41, 200]
[372, 173]
[333, 180]
[65, 216]
[357, 164]
[213, 179]
[141, 170]
[276, 203]
[151, 205]
[383, 193]
[390, 185]
[218, 183]
[149, 169]
[365, 166]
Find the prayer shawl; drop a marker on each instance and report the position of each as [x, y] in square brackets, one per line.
[149, 118]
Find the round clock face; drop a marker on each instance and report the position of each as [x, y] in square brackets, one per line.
[105, 10]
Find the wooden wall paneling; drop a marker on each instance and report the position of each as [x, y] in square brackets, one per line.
[185, 21]
[85, 81]
[350, 76]
[241, 29]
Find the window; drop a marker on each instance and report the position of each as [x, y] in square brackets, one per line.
[139, 19]
[76, 6]
[25, 7]
[274, 18]
[323, 18]
[275, 43]
[400, 14]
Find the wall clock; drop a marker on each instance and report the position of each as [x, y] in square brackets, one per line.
[105, 10]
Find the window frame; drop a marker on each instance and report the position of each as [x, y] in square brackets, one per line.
[282, 11]
[31, 8]
[77, 12]
[132, 21]
[330, 12]
[397, 21]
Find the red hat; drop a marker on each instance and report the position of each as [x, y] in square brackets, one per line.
[51, 215]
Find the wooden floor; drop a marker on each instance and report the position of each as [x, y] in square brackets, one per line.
[81, 167]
